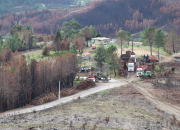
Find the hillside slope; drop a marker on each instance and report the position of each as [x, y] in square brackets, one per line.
[130, 15]
[107, 16]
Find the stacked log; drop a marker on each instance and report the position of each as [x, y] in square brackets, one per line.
[150, 67]
[67, 92]
[122, 64]
[122, 70]
[126, 56]
[44, 98]
[132, 60]
[86, 84]
[128, 53]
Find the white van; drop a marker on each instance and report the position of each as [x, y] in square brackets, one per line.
[130, 66]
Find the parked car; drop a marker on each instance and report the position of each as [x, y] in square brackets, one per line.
[105, 44]
[93, 47]
[84, 69]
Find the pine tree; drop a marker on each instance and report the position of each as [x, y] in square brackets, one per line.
[100, 56]
[57, 43]
[73, 49]
[128, 37]
[148, 36]
[122, 36]
[112, 58]
[158, 39]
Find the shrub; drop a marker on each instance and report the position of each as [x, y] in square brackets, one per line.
[157, 68]
[45, 51]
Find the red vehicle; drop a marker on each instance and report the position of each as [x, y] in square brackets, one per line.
[140, 69]
[153, 59]
[93, 47]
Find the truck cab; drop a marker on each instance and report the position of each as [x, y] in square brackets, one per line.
[139, 71]
[130, 66]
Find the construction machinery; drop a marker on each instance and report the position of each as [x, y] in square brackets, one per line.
[146, 59]
[148, 74]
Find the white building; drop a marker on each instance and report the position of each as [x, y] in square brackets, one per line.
[99, 40]
[135, 43]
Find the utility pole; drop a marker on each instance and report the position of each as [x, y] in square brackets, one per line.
[90, 65]
[59, 92]
[160, 56]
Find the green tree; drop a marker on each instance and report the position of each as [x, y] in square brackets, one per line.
[45, 51]
[112, 58]
[148, 36]
[158, 39]
[15, 43]
[71, 27]
[57, 43]
[128, 37]
[100, 56]
[98, 34]
[93, 30]
[122, 37]
[73, 49]
[87, 33]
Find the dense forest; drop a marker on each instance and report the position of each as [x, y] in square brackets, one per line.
[106, 16]
[13, 5]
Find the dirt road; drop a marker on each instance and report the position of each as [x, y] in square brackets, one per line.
[142, 87]
[100, 87]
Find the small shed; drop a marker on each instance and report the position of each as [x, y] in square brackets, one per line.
[99, 40]
[86, 55]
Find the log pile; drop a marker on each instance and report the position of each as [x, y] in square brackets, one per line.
[128, 53]
[150, 67]
[44, 98]
[132, 60]
[67, 92]
[86, 84]
[122, 70]
[126, 56]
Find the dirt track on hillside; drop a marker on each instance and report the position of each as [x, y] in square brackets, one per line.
[143, 87]
[158, 104]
